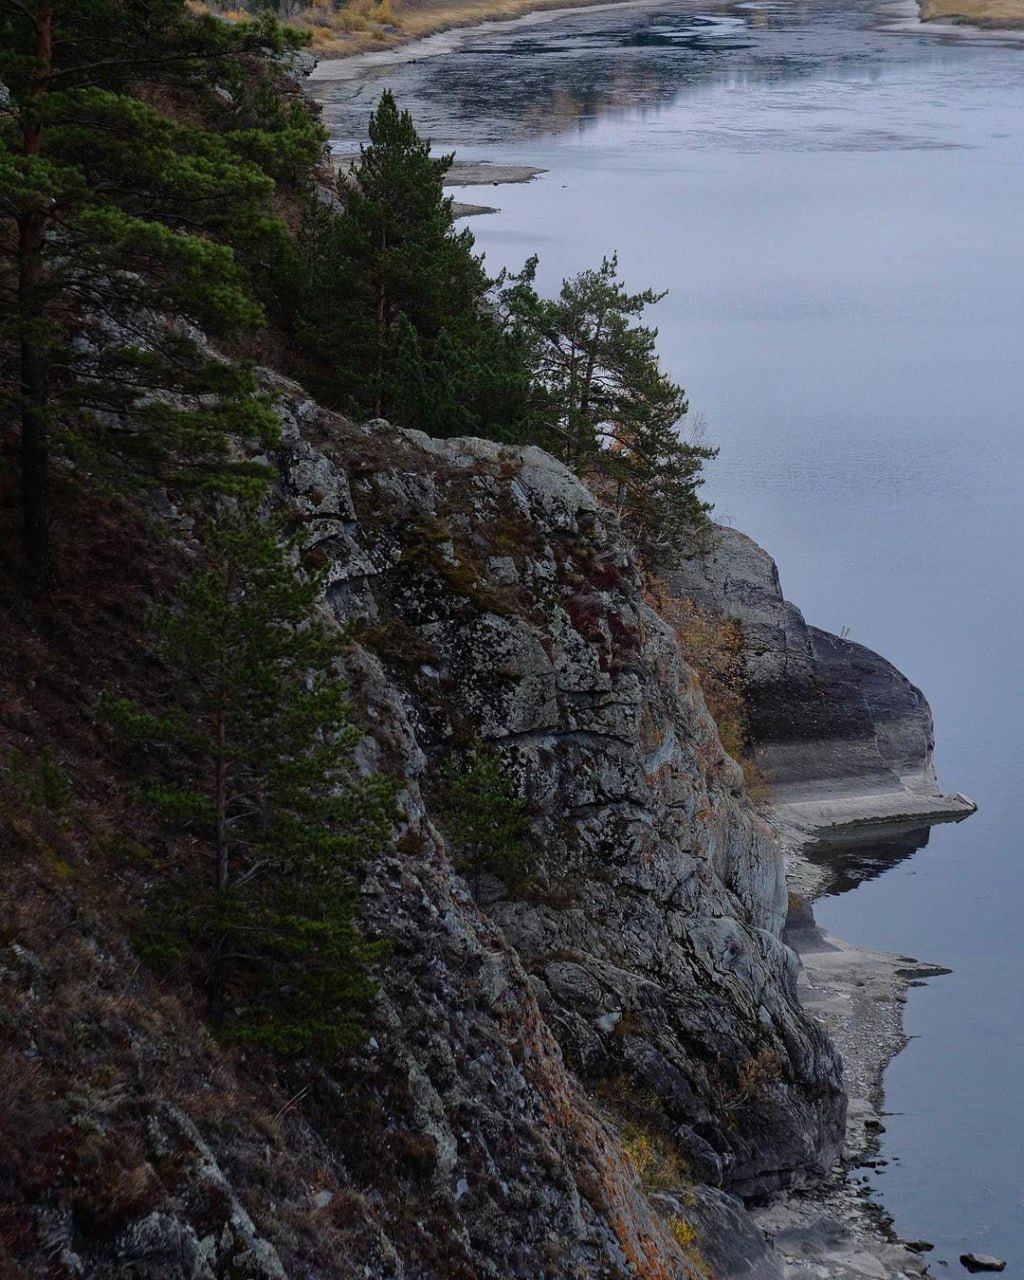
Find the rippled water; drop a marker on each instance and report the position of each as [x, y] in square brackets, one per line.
[836, 209]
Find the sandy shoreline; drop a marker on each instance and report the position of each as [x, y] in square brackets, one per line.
[908, 17]
[839, 1226]
[428, 39]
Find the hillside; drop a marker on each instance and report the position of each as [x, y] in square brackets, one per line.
[537, 1060]
[577, 1047]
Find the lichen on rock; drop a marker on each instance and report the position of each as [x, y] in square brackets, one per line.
[504, 605]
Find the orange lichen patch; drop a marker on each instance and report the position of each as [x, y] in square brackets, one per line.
[603, 1171]
[711, 645]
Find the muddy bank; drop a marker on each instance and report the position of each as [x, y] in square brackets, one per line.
[470, 173]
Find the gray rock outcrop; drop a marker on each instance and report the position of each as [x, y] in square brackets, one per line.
[494, 600]
[982, 1262]
[840, 734]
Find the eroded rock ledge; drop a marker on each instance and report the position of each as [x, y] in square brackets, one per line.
[845, 743]
[842, 736]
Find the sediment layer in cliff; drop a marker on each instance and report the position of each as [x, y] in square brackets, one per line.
[842, 736]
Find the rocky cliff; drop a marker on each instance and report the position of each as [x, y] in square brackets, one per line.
[578, 1079]
[497, 602]
[841, 735]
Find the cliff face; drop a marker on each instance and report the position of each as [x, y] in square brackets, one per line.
[499, 604]
[840, 734]
[568, 1081]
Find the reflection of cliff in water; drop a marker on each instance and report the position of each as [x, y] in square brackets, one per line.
[550, 83]
[853, 856]
[558, 77]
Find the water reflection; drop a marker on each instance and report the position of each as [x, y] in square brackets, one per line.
[851, 858]
[534, 79]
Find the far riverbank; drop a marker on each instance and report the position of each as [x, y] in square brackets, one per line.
[388, 26]
[989, 15]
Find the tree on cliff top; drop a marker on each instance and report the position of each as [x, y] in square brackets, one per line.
[392, 300]
[604, 405]
[113, 217]
[261, 787]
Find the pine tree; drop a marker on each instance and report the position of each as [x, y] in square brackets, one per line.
[486, 820]
[404, 257]
[393, 304]
[430, 395]
[603, 404]
[113, 221]
[260, 773]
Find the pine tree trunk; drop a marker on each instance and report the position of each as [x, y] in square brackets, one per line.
[378, 391]
[34, 357]
[35, 390]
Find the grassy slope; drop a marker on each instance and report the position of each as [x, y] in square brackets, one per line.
[362, 25]
[1000, 14]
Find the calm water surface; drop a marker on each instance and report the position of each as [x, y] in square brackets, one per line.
[836, 210]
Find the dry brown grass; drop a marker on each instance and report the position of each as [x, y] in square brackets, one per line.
[654, 1159]
[361, 25]
[753, 1077]
[711, 644]
[998, 14]
[682, 1233]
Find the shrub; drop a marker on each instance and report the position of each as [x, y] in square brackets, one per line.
[36, 800]
[655, 1160]
[486, 820]
[682, 1233]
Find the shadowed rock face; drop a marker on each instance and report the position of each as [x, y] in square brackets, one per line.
[838, 731]
[502, 606]
[540, 1063]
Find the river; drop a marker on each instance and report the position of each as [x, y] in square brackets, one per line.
[834, 203]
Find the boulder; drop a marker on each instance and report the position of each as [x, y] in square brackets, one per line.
[982, 1262]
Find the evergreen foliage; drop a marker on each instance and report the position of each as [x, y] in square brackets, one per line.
[37, 801]
[603, 404]
[391, 303]
[142, 155]
[121, 230]
[260, 775]
[486, 820]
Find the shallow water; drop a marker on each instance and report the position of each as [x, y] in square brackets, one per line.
[836, 211]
